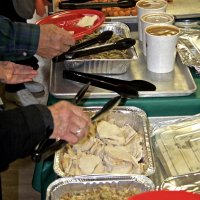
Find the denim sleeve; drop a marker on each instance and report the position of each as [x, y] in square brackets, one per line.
[18, 41]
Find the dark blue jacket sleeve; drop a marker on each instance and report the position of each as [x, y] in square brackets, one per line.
[21, 129]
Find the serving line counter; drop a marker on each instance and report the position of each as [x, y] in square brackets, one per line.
[156, 108]
[153, 106]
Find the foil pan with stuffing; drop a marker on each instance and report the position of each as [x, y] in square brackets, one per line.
[98, 187]
[188, 47]
[106, 63]
[119, 145]
[187, 182]
[177, 145]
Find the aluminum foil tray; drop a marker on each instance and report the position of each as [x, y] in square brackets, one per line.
[187, 182]
[62, 186]
[188, 47]
[135, 118]
[176, 144]
[105, 66]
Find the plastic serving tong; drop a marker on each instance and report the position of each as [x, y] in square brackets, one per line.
[122, 44]
[101, 38]
[48, 147]
[127, 89]
[96, 5]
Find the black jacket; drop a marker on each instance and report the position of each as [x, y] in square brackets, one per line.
[21, 129]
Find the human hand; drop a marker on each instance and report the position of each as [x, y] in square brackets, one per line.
[53, 41]
[12, 73]
[71, 123]
[40, 7]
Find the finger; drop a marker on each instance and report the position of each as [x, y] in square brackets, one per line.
[66, 48]
[79, 121]
[81, 114]
[71, 138]
[76, 130]
[19, 79]
[23, 69]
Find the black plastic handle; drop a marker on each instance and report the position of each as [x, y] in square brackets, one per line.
[48, 147]
[125, 90]
[139, 85]
[101, 38]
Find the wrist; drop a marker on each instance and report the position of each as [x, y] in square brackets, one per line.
[48, 120]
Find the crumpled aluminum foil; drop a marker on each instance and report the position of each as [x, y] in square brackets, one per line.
[188, 48]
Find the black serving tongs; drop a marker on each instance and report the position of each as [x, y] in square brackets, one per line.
[100, 38]
[127, 89]
[96, 5]
[121, 44]
[48, 147]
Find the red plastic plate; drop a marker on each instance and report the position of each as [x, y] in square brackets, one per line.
[166, 195]
[69, 19]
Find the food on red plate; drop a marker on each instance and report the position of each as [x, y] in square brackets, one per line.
[87, 21]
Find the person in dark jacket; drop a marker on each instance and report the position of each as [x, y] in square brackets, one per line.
[21, 129]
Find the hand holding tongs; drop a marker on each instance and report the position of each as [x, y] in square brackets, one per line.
[96, 5]
[127, 89]
[101, 38]
[48, 147]
[76, 52]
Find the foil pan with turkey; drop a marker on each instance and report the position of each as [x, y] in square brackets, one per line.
[117, 144]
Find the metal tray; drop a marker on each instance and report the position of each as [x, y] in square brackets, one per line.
[135, 118]
[160, 174]
[176, 8]
[172, 143]
[177, 83]
[62, 186]
[189, 182]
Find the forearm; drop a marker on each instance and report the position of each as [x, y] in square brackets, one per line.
[21, 130]
[17, 40]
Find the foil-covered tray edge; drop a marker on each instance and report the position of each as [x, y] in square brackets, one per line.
[144, 181]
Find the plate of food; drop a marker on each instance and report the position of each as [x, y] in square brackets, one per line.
[79, 22]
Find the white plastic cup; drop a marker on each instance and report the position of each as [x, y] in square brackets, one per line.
[149, 6]
[161, 47]
[151, 19]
